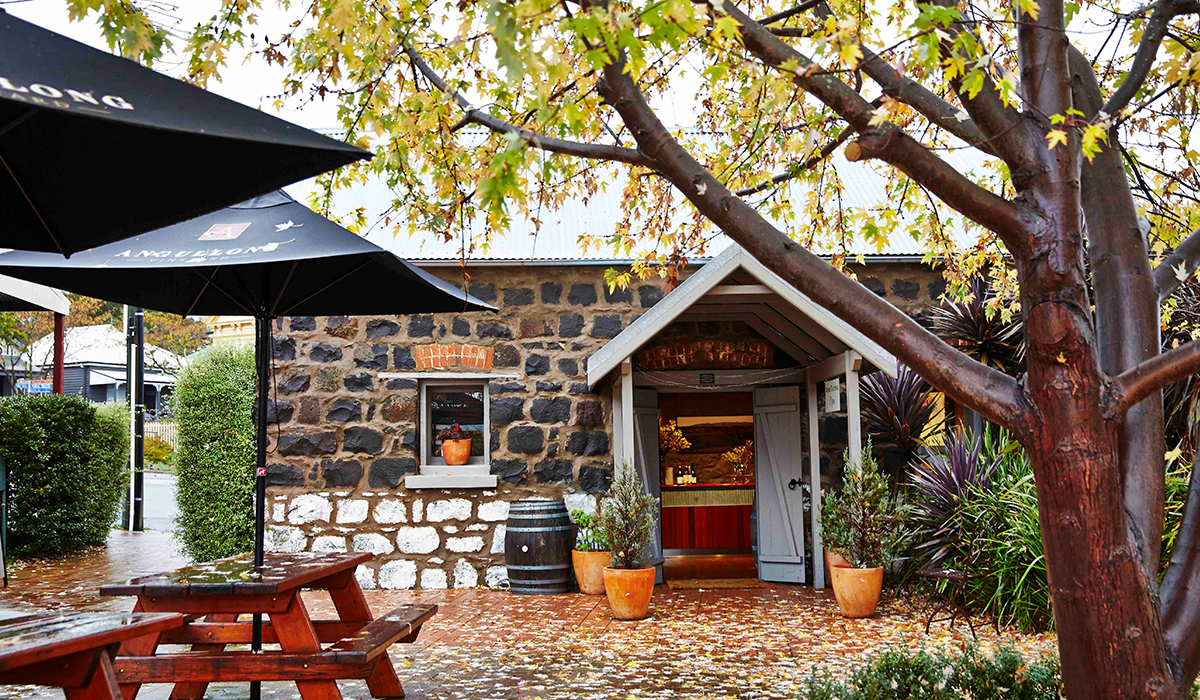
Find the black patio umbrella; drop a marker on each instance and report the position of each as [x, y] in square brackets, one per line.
[95, 148]
[266, 257]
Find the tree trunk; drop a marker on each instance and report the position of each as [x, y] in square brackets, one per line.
[1105, 607]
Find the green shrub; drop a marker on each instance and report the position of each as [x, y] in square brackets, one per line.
[213, 404]
[896, 674]
[155, 450]
[626, 520]
[862, 522]
[66, 464]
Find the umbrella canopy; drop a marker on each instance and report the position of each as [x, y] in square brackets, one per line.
[95, 148]
[270, 256]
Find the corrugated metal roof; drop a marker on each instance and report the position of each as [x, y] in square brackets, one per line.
[559, 237]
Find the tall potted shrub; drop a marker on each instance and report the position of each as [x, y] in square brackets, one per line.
[864, 525]
[626, 522]
[591, 555]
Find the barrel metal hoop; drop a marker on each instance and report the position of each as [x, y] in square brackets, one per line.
[538, 582]
[541, 567]
[536, 516]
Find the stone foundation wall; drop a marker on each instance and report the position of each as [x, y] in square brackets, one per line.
[347, 425]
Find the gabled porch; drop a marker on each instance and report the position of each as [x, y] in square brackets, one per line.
[773, 358]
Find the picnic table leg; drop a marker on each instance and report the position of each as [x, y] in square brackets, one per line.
[297, 635]
[196, 690]
[101, 686]
[352, 606]
[138, 646]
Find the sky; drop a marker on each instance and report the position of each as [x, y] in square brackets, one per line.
[249, 83]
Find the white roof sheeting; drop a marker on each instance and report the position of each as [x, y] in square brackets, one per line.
[103, 345]
[557, 240]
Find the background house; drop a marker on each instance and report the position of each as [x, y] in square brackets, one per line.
[95, 366]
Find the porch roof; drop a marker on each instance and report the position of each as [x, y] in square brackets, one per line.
[735, 285]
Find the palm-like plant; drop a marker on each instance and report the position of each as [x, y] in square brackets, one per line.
[943, 482]
[1181, 400]
[900, 412]
[987, 337]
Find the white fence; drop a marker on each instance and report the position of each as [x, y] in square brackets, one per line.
[167, 431]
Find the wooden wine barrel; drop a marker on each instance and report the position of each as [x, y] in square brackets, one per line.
[538, 540]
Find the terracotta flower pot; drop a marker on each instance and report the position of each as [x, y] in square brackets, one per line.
[857, 590]
[589, 570]
[456, 452]
[629, 591]
[833, 559]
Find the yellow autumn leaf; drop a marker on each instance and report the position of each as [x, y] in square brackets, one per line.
[1056, 137]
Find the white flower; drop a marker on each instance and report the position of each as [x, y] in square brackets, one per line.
[895, 685]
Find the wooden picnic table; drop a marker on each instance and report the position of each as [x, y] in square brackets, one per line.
[72, 651]
[213, 595]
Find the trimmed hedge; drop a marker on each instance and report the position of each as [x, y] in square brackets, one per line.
[67, 471]
[213, 403]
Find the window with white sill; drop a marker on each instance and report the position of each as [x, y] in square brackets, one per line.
[446, 403]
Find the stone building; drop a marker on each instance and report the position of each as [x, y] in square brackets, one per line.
[354, 462]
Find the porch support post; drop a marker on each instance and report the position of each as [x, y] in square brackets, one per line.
[626, 419]
[853, 415]
[814, 471]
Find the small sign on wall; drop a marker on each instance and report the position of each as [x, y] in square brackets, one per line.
[833, 395]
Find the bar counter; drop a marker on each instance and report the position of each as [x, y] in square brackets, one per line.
[707, 516]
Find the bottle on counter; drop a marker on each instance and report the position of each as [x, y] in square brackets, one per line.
[670, 478]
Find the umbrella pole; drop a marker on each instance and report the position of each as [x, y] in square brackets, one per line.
[262, 357]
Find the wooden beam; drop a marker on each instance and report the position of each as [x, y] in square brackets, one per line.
[852, 362]
[690, 378]
[772, 334]
[739, 312]
[727, 293]
[240, 632]
[828, 369]
[808, 325]
[626, 372]
[814, 471]
[240, 666]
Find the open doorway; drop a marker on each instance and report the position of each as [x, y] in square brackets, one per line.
[706, 444]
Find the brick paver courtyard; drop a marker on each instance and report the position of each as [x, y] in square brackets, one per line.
[758, 643]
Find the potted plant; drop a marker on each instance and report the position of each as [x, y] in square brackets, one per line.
[865, 526]
[590, 555]
[456, 444]
[626, 524]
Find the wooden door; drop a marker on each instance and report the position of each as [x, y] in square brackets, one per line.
[646, 461]
[779, 498]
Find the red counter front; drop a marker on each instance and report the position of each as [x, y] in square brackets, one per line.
[721, 526]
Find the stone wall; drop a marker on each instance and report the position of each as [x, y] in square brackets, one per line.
[347, 426]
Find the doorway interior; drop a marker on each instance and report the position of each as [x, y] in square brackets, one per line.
[706, 447]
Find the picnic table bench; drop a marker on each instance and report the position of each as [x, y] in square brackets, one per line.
[72, 651]
[214, 595]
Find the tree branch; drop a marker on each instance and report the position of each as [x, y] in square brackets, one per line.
[1127, 319]
[1003, 125]
[886, 142]
[994, 394]
[1131, 386]
[1180, 593]
[912, 93]
[1143, 61]
[798, 168]
[791, 12]
[591, 151]
[1185, 255]
[905, 154]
